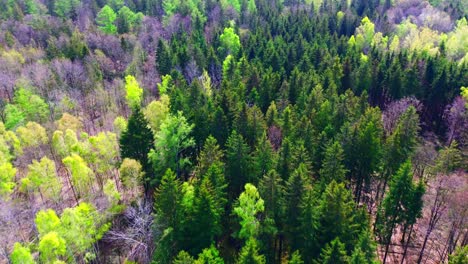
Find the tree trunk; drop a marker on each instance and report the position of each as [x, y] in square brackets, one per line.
[406, 245]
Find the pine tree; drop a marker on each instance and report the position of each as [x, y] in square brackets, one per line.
[334, 253]
[337, 216]
[333, 167]
[163, 59]
[136, 142]
[167, 199]
[237, 163]
[211, 154]
[401, 204]
[296, 189]
[249, 253]
[264, 157]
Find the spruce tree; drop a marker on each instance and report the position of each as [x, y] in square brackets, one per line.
[237, 163]
[334, 253]
[249, 254]
[137, 141]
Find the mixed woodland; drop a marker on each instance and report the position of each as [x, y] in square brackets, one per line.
[233, 131]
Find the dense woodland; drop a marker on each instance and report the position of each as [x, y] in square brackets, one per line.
[233, 131]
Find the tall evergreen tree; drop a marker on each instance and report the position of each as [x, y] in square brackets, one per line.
[238, 170]
[137, 141]
[334, 253]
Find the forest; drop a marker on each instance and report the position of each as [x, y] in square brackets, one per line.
[234, 131]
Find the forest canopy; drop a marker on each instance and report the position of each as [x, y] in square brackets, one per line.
[233, 131]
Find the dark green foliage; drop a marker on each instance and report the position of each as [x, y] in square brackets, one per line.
[238, 170]
[137, 140]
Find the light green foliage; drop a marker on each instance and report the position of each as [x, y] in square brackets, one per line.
[77, 229]
[131, 173]
[229, 42]
[249, 253]
[68, 121]
[46, 221]
[13, 116]
[166, 84]
[120, 125]
[183, 258]
[464, 94]
[156, 112]
[170, 142]
[194, 8]
[296, 258]
[229, 65]
[7, 177]
[113, 196]
[206, 83]
[134, 92]
[82, 176]
[42, 177]
[460, 256]
[457, 41]
[81, 226]
[32, 135]
[105, 148]
[105, 20]
[21, 255]
[127, 20]
[236, 4]
[66, 8]
[33, 107]
[51, 246]
[249, 204]
[209, 256]
[14, 141]
[364, 34]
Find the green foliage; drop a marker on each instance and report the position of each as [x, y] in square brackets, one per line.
[7, 183]
[333, 167]
[66, 8]
[32, 105]
[127, 20]
[402, 204]
[296, 258]
[171, 143]
[248, 205]
[156, 112]
[334, 253]
[42, 177]
[209, 256]
[106, 20]
[237, 163]
[229, 42]
[249, 253]
[21, 255]
[460, 256]
[183, 258]
[81, 175]
[51, 246]
[134, 93]
[168, 197]
[137, 140]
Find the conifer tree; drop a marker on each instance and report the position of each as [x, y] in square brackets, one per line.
[264, 157]
[334, 253]
[249, 253]
[238, 171]
[136, 142]
[296, 189]
[333, 167]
